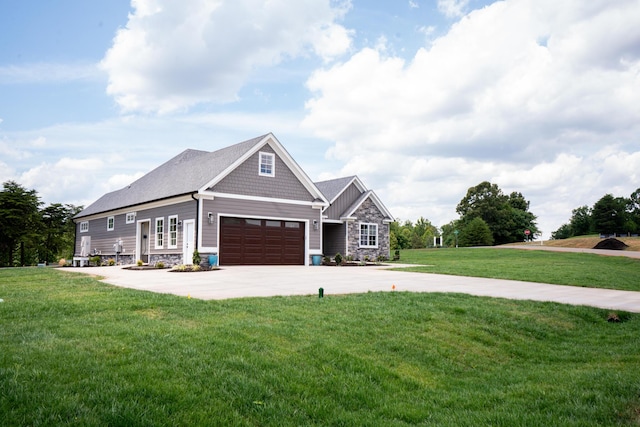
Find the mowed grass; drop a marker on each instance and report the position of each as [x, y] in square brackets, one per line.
[74, 351]
[560, 268]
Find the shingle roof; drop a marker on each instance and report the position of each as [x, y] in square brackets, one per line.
[185, 173]
[333, 187]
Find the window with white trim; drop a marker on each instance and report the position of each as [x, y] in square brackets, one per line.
[173, 231]
[368, 235]
[84, 226]
[111, 223]
[159, 233]
[130, 218]
[267, 164]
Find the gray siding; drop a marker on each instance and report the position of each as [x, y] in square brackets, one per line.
[244, 208]
[246, 181]
[343, 202]
[103, 240]
[333, 239]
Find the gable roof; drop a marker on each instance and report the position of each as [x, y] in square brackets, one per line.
[334, 187]
[192, 171]
[348, 214]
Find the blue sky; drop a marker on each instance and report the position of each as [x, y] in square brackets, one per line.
[421, 99]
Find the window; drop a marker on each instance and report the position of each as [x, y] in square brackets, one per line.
[368, 235]
[159, 233]
[110, 223]
[84, 226]
[173, 232]
[130, 218]
[267, 164]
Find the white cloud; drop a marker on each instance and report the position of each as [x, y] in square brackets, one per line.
[172, 55]
[452, 8]
[526, 93]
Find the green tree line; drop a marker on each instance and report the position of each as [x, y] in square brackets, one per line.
[487, 217]
[30, 232]
[608, 216]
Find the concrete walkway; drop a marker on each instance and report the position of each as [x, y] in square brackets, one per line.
[264, 281]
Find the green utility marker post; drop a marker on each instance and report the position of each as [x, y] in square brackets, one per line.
[320, 292]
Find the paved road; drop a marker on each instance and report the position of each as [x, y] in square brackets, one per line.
[263, 281]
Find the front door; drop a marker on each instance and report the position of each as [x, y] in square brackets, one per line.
[188, 241]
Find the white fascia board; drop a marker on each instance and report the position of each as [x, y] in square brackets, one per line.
[137, 208]
[331, 221]
[259, 199]
[381, 206]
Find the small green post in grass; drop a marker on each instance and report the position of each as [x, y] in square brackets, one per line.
[321, 293]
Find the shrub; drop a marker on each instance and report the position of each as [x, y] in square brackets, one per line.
[196, 267]
[196, 257]
[139, 263]
[112, 262]
[96, 260]
[338, 259]
[62, 262]
[159, 264]
[327, 260]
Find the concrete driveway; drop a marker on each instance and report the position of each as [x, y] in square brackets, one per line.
[265, 281]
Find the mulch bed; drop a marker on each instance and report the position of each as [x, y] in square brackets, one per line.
[611, 243]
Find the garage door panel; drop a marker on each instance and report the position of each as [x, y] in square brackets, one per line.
[259, 242]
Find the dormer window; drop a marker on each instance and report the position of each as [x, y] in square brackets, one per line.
[267, 164]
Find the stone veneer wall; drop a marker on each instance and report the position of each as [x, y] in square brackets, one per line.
[368, 212]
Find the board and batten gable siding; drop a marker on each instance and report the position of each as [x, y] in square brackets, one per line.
[245, 180]
[242, 208]
[103, 240]
[343, 202]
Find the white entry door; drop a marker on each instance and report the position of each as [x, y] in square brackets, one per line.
[188, 241]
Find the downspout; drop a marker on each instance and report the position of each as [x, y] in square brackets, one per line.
[195, 236]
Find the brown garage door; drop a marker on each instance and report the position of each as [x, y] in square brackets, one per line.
[261, 241]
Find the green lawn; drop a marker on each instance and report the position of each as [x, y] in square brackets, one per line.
[74, 351]
[561, 268]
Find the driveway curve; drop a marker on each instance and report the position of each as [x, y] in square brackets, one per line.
[266, 281]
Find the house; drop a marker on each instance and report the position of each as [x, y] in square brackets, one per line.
[355, 223]
[249, 203]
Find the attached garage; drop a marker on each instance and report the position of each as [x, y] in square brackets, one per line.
[245, 241]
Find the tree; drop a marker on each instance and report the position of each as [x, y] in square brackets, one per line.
[58, 231]
[581, 222]
[506, 216]
[564, 232]
[609, 214]
[19, 222]
[476, 233]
